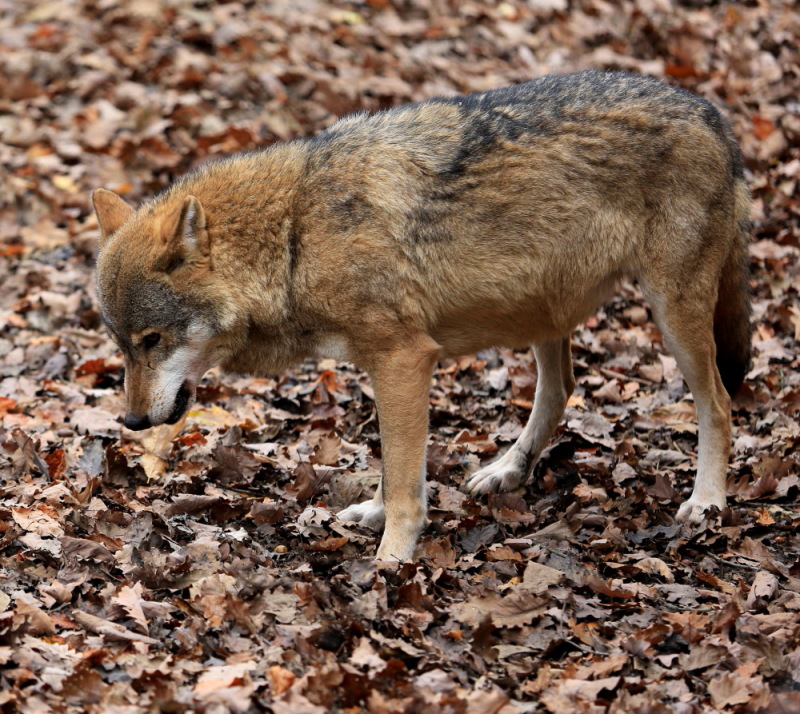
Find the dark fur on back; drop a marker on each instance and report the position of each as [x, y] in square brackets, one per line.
[550, 106]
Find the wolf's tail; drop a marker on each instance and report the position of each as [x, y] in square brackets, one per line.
[732, 313]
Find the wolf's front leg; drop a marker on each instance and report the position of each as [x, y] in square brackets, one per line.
[401, 377]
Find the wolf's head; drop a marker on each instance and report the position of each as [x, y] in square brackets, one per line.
[155, 286]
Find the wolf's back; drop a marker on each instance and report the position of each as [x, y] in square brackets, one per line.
[632, 112]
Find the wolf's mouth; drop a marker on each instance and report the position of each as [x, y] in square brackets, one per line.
[182, 399]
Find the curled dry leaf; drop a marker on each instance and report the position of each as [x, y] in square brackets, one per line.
[109, 630]
[764, 586]
[656, 566]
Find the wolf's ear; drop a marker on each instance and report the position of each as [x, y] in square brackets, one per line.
[191, 233]
[111, 211]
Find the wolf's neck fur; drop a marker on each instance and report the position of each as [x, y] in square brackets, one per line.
[255, 229]
[252, 213]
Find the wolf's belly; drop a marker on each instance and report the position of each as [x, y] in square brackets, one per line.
[531, 318]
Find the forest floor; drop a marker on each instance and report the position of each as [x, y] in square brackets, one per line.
[201, 567]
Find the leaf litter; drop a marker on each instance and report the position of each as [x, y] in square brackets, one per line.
[201, 568]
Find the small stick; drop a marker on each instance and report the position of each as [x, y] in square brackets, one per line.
[641, 380]
[731, 562]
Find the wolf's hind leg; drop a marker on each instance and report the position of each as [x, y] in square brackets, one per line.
[554, 384]
[686, 322]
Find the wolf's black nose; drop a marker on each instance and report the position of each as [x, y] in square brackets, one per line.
[136, 423]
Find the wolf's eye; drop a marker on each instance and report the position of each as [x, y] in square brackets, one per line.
[151, 340]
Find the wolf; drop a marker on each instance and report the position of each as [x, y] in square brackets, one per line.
[393, 240]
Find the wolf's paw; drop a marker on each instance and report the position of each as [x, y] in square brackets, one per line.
[395, 549]
[369, 513]
[400, 537]
[505, 474]
[694, 510]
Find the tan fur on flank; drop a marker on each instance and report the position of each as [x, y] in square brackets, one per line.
[440, 229]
